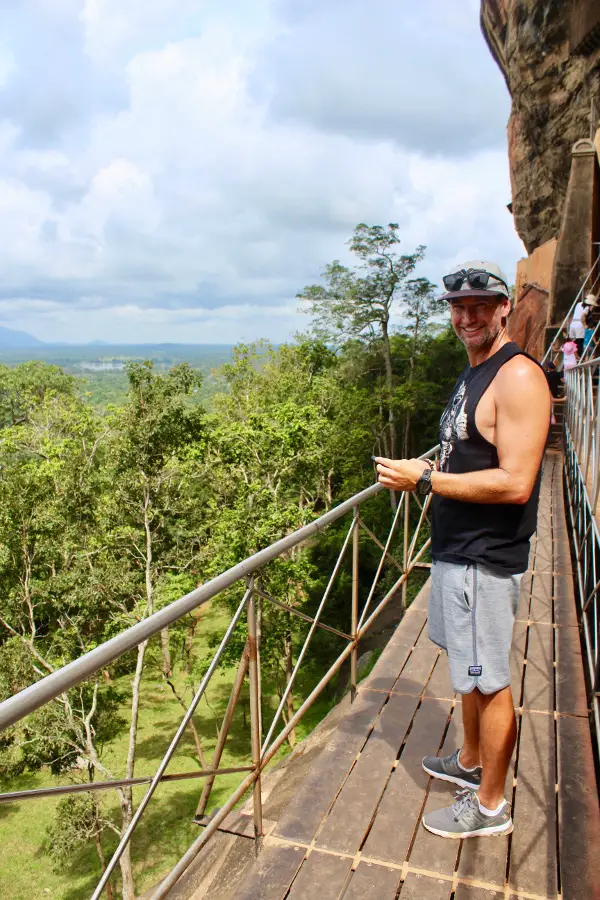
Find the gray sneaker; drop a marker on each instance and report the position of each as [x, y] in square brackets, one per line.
[447, 768]
[464, 819]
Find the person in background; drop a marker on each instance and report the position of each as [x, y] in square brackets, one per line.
[570, 355]
[555, 383]
[590, 318]
[577, 328]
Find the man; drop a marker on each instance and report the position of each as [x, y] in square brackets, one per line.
[484, 510]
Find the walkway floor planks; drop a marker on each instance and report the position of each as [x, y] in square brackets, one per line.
[353, 830]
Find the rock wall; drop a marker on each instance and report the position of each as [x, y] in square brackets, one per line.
[527, 324]
[549, 53]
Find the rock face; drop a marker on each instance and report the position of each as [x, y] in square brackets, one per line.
[549, 53]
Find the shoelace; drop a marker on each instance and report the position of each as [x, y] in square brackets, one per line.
[465, 798]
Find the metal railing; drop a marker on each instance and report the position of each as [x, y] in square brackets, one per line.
[53, 687]
[582, 471]
[590, 348]
[552, 352]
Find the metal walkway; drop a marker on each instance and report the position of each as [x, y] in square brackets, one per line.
[353, 829]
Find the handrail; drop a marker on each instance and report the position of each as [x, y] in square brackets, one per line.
[582, 477]
[573, 305]
[586, 364]
[52, 686]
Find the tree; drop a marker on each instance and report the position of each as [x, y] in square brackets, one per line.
[89, 524]
[24, 387]
[51, 611]
[78, 820]
[420, 305]
[440, 359]
[281, 439]
[359, 303]
[150, 439]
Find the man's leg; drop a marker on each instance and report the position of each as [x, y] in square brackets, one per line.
[479, 618]
[470, 755]
[483, 810]
[498, 734]
[490, 734]
[447, 578]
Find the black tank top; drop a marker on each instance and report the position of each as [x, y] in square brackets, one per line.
[495, 534]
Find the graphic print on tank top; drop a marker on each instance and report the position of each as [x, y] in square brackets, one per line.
[453, 424]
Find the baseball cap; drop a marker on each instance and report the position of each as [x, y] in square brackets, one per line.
[495, 286]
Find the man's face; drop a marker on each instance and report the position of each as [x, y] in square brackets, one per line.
[478, 320]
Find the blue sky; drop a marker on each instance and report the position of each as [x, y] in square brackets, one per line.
[178, 171]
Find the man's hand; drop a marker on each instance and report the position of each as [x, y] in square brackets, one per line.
[400, 474]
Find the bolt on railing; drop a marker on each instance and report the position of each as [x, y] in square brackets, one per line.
[582, 471]
[55, 685]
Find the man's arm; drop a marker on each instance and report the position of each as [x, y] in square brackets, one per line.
[522, 419]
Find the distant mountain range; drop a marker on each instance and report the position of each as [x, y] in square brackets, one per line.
[21, 340]
[17, 339]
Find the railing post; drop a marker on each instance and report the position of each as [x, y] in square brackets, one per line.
[126, 836]
[588, 423]
[224, 730]
[596, 458]
[354, 625]
[254, 707]
[405, 547]
[259, 627]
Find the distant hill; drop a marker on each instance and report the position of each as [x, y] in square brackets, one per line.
[16, 339]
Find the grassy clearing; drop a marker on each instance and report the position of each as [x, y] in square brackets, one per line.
[166, 830]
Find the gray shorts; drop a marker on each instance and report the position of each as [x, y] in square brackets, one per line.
[471, 615]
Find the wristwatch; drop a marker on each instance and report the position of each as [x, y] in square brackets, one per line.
[424, 482]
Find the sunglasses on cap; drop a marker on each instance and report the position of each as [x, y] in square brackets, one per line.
[477, 279]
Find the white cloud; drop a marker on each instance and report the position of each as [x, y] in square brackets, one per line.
[7, 66]
[416, 73]
[193, 202]
[113, 28]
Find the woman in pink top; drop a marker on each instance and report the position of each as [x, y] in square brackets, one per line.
[570, 356]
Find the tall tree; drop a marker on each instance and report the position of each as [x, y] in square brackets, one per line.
[52, 612]
[151, 437]
[359, 303]
[419, 306]
[90, 522]
[279, 449]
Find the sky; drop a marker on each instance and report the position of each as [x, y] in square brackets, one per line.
[179, 171]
